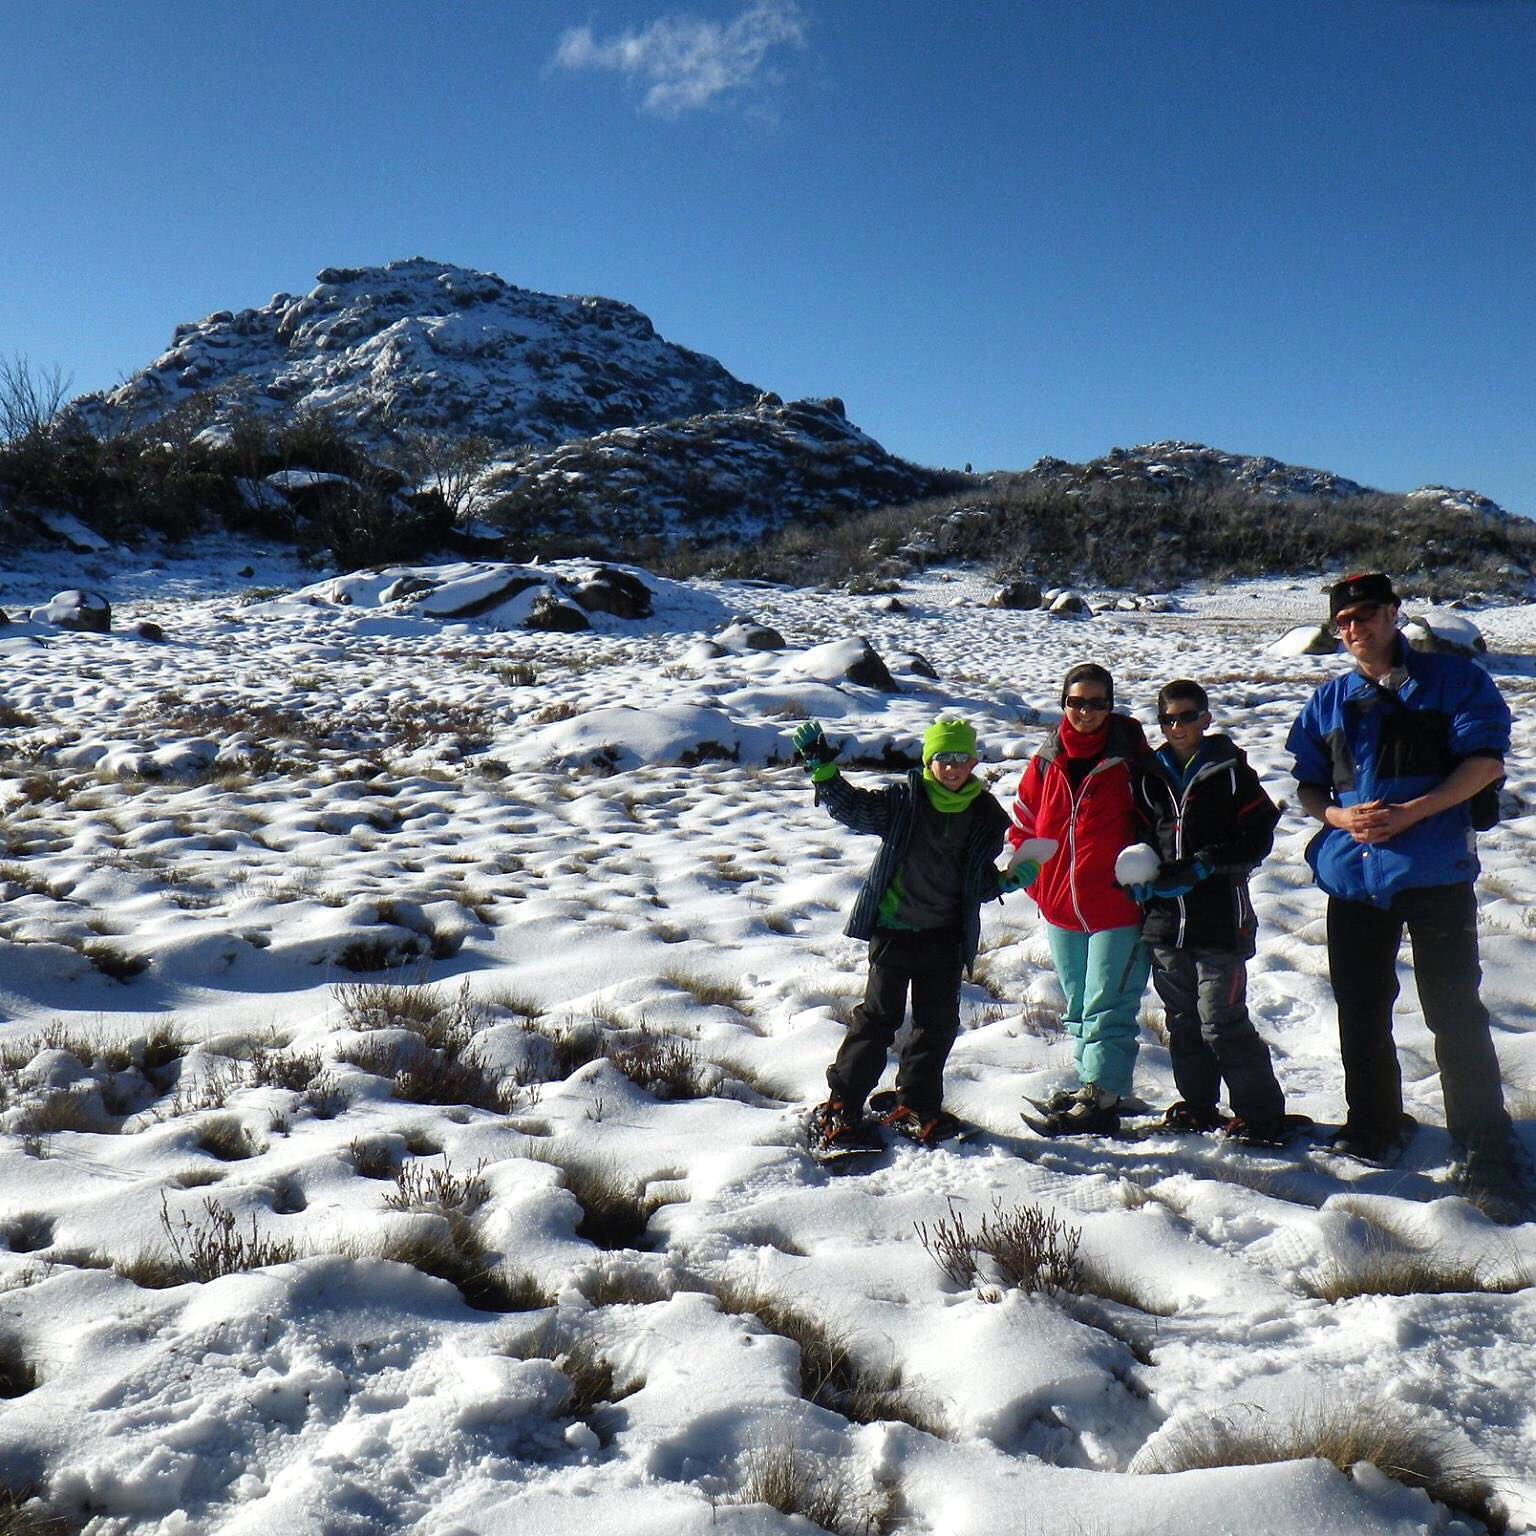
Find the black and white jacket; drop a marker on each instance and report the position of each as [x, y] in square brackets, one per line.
[1223, 816]
[888, 814]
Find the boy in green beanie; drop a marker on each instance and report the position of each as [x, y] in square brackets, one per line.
[920, 911]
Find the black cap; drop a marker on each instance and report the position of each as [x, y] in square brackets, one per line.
[1366, 587]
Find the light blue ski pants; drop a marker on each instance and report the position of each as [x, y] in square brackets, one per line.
[1104, 975]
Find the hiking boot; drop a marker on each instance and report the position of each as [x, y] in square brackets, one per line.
[1089, 1112]
[1496, 1176]
[1367, 1146]
[1197, 1118]
[837, 1131]
[925, 1129]
[1275, 1132]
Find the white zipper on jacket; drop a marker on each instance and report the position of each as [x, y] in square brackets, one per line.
[1076, 798]
[1180, 805]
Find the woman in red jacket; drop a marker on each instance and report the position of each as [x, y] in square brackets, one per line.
[1077, 789]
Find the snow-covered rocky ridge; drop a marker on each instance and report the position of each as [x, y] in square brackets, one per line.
[1170, 469]
[729, 475]
[428, 345]
[631, 950]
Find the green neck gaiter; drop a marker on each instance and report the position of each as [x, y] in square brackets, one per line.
[950, 800]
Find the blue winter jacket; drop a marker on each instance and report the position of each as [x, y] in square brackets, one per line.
[1360, 742]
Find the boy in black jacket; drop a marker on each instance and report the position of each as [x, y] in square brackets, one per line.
[1212, 823]
[920, 909]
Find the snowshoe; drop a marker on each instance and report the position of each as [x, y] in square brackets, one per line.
[1089, 1112]
[1278, 1132]
[886, 1109]
[836, 1135]
[1193, 1119]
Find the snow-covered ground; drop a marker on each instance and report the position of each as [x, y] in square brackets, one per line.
[206, 837]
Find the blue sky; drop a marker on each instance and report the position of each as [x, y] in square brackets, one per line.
[1297, 227]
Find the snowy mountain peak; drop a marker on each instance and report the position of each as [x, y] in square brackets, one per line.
[426, 344]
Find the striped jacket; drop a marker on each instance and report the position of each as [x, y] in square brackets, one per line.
[888, 814]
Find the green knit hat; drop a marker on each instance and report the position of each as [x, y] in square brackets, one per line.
[948, 735]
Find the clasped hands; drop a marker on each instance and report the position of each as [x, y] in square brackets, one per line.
[1372, 821]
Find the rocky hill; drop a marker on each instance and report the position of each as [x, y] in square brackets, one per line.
[1172, 470]
[726, 475]
[422, 344]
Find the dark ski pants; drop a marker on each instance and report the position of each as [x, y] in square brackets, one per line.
[1211, 1039]
[1362, 960]
[929, 963]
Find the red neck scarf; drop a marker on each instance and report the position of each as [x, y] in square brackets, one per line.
[1083, 744]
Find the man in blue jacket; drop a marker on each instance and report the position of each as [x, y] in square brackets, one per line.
[1388, 757]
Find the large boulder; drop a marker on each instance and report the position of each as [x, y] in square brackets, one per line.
[1070, 605]
[1305, 640]
[852, 660]
[77, 609]
[1438, 629]
[1016, 595]
[548, 613]
[620, 593]
[747, 635]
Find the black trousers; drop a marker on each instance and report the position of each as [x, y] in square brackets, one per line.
[1362, 961]
[929, 963]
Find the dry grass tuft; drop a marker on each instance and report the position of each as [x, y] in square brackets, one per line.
[1386, 1266]
[225, 1138]
[708, 991]
[666, 1065]
[830, 1375]
[589, 1371]
[18, 1375]
[615, 1211]
[775, 1471]
[1344, 1432]
[455, 1252]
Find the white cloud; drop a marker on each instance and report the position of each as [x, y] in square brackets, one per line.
[686, 62]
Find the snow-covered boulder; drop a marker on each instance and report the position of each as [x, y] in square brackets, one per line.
[745, 635]
[620, 593]
[1305, 640]
[1070, 605]
[555, 616]
[622, 737]
[853, 660]
[1438, 629]
[77, 609]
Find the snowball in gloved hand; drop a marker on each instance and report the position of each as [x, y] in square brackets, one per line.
[1137, 864]
[1035, 850]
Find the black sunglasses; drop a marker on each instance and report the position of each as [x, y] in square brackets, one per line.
[1091, 706]
[1181, 717]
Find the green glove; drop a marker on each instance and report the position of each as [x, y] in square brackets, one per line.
[1020, 877]
[813, 749]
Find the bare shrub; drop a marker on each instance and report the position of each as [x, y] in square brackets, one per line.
[440, 1079]
[325, 1098]
[215, 1246]
[378, 1058]
[65, 1110]
[371, 1159]
[666, 1065]
[1031, 1250]
[292, 1070]
[439, 1190]
[1344, 1432]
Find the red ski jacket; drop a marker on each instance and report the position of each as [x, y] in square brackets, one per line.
[1076, 889]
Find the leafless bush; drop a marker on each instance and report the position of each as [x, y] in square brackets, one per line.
[663, 1064]
[1031, 1250]
[215, 1246]
[274, 1068]
[439, 1190]
[372, 1159]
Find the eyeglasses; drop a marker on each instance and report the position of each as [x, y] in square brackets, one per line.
[952, 759]
[1365, 614]
[1096, 705]
[1180, 717]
